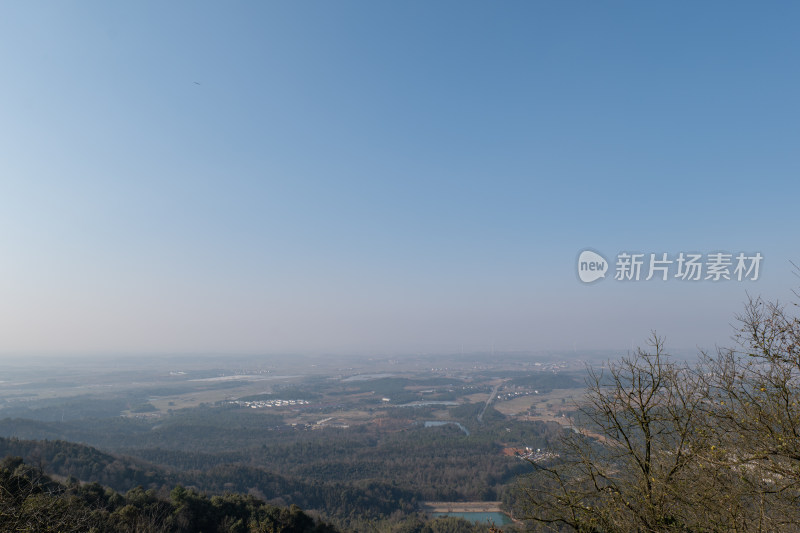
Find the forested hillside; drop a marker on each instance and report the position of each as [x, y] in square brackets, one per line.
[84, 463]
[218, 449]
[32, 501]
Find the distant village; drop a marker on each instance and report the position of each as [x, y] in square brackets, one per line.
[264, 404]
[532, 455]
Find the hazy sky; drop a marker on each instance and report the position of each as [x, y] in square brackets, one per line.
[387, 177]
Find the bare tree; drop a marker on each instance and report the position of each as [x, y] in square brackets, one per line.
[669, 447]
[752, 393]
[633, 464]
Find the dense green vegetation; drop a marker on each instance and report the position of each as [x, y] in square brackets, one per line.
[32, 501]
[70, 460]
[218, 450]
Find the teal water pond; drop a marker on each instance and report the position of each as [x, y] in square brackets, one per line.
[495, 518]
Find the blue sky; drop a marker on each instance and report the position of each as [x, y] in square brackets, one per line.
[387, 178]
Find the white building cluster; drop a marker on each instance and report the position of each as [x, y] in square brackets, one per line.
[263, 404]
